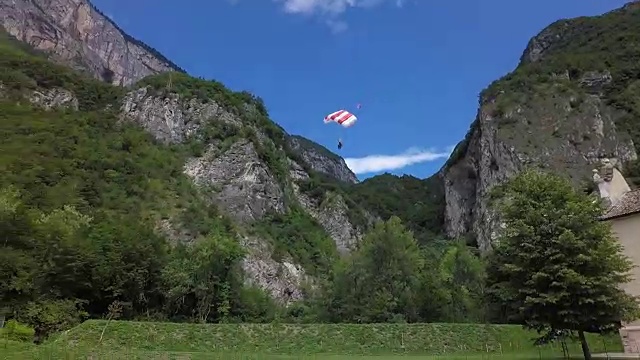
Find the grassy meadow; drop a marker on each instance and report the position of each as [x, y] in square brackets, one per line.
[149, 340]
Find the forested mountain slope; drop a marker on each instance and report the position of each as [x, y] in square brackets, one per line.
[124, 193]
[209, 160]
[76, 33]
[573, 99]
[179, 199]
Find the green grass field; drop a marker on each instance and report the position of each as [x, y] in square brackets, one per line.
[148, 340]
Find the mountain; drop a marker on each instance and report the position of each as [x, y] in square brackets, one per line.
[186, 162]
[573, 99]
[127, 137]
[75, 33]
[178, 156]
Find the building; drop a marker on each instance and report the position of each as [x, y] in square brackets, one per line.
[623, 212]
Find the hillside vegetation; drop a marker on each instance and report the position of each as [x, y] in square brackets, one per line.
[418, 202]
[82, 194]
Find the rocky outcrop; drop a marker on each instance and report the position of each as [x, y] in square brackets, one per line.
[545, 41]
[563, 123]
[238, 182]
[560, 138]
[46, 98]
[555, 37]
[54, 98]
[332, 213]
[233, 177]
[484, 161]
[171, 119]
[74, 32]
[322, 160]
[281, 280]
[236, 178]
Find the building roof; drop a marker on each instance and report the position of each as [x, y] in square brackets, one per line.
[629, 204]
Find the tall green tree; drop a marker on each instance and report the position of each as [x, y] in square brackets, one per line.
[452, 283]
[199, 279]
[44, 264]
[378, 282]
[18, 265]
[462, 279]
[556, 266]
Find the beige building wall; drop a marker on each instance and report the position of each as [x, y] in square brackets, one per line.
[627, 230]
[623, 213]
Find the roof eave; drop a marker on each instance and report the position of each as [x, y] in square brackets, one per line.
[605, 217]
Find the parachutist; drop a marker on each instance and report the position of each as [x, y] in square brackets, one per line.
[342, 118]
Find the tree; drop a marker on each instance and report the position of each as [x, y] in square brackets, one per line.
[200, 278]
[556, 266]
[462, 279]
[43, 264]
[377, 283]
[452, 283]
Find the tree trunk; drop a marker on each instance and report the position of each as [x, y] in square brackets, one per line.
[585, 346]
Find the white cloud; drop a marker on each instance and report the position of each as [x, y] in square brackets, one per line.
[334, 7]
[376, 163]
[331, 10]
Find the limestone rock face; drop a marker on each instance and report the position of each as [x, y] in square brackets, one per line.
[234, 177]
[546, 115]
[75, 33]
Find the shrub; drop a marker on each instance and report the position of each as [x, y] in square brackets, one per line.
[15, 331]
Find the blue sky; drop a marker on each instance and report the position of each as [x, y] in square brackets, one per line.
[416, 66]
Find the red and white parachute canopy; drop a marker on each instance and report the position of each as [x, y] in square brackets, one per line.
[342, 117]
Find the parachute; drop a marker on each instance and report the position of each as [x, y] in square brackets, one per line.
[342, 117]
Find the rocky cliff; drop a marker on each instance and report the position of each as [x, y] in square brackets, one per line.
[248, 167]
[571, 101]
[241, 163]
[75, 33]
[322, 160]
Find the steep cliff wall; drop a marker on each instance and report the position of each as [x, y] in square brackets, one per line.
[75, 33]
[569, 103]
[322, 160]
[246, 165]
